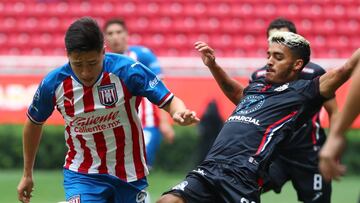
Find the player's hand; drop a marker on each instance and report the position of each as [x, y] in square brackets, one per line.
[207, 53]
[186, 117]
[25, 188]
[329, 157]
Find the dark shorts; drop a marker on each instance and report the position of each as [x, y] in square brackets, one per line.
[214, 182]
[307, 181]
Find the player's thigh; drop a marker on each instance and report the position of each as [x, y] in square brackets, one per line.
[81, 188]
[130, 192]
[193, 189]
[276, 176]
[310, 186]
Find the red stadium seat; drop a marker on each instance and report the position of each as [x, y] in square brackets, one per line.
[170, 27]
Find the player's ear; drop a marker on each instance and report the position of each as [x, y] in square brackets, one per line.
[298, 64]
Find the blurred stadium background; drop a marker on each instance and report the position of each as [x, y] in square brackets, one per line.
[32, 43]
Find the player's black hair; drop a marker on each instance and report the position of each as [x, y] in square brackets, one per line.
[84, 35]
[279, 23]
[117, 21]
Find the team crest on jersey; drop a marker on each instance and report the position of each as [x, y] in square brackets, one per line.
[75, 199]
[107, 94]
[250, 104]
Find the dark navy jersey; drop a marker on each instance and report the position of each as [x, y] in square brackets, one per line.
[311, 136]
[265, 116]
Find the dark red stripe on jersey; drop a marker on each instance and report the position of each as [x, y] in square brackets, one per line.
[68, 97]
[88, 99]
[313, 133]
[88, 160]
[270, 129]
[120, 155]
[143, 112]
[143, 146]
[71, 151]
[101, 151]
[107, 81]
[156, 113]
[139, 168]
[260, 182]
[138, 102]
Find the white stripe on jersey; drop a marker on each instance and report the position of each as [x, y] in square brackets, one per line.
[111, 161]
[79, 156]
[149, 113]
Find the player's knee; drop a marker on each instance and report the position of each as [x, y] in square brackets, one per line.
[169, 198]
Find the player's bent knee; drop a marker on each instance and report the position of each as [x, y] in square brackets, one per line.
[169, 198]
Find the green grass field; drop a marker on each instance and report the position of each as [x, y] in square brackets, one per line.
[48, 187]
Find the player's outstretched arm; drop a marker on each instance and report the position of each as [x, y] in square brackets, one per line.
[331, 108]
[332, 80]
[232, 89]
[335, 144]
[31, 141]
[179, 113]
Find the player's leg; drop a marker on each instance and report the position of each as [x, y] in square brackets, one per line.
[310, 186]
[193, 189]
[170, 198]
[152, 138]
[81, 188]
[276, 176]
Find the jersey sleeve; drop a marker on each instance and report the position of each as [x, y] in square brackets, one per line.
[310, 89]
[141, 81]
[42, 104]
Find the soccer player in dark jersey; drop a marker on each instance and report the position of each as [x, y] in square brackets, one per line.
[330, 154]
[298, 160]
[268, 112]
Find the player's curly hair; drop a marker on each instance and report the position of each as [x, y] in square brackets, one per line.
[299, 46]
[84, 35]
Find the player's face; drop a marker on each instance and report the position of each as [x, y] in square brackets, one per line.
[87, 66]
[282, 66]
[116, 38]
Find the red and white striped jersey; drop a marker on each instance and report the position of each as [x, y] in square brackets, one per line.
[103, 132]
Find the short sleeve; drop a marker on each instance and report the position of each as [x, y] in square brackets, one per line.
[42, 104]
[310, 89]
[141, 81]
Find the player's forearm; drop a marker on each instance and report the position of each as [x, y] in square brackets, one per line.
[331, 108]
[174, 106]
[31, 141]
[351, 108]
[231, 88]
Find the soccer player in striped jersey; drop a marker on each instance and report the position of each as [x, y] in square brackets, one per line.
[154, 121]
[268, 112]
[98, 96]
